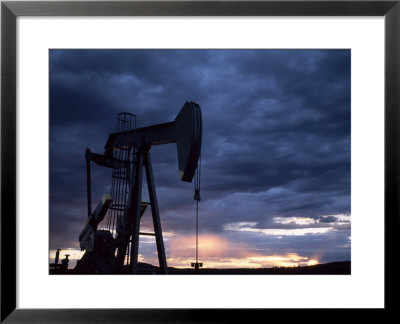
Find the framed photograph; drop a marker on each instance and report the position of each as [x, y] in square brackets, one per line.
[243, 152]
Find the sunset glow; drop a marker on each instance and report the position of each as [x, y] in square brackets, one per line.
[217, 252]
[312, 262]
[251, 227]
[294, 220]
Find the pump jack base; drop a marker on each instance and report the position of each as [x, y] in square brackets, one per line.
[197, 265]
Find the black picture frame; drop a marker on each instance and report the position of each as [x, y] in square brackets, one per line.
[10, 10]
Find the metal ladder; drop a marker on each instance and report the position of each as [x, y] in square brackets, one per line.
[121, 178]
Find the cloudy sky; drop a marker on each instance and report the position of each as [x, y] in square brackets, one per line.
[275, 174]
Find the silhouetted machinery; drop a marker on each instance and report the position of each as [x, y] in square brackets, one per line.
[59, 268]
[114, 247]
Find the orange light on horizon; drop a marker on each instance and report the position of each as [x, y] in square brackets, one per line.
[251, 262]
[312, 262]
[219, 252]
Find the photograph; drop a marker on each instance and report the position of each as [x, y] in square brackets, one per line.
[199, 161]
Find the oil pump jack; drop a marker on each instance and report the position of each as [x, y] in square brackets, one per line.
[114, 249]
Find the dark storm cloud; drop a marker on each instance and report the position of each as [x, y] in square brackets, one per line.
[276, 130]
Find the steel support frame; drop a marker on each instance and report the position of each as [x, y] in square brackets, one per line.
[162, 260]
[133, 215]
[135, 207]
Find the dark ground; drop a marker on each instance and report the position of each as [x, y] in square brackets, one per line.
[333, 268]
[327, 268]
